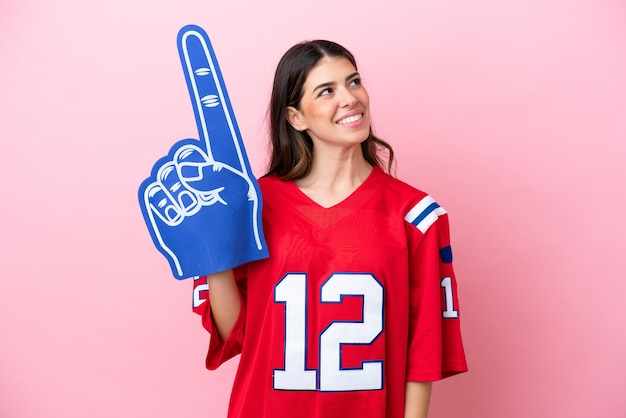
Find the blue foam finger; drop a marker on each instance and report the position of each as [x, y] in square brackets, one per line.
[201, 203]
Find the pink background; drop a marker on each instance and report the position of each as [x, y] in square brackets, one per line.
[511, 113]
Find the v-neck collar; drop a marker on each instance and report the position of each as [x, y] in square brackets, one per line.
[355, 193]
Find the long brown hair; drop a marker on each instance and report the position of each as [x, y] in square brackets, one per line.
[292, 150]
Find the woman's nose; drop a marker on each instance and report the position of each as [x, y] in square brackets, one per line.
[346, 98]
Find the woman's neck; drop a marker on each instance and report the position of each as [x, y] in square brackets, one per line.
[333, 178]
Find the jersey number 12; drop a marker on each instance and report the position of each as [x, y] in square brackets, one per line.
[331, 376]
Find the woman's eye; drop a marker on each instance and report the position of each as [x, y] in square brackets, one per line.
[355, 82]
[326, 91]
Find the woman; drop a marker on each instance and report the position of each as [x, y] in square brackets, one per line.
[355, 312]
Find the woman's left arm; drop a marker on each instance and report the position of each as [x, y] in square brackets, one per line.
[417, 399]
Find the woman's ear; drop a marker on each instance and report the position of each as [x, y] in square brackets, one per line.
[295, 118]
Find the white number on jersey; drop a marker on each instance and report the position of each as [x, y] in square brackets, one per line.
[197, 289]
[292, 291]
[450, 312]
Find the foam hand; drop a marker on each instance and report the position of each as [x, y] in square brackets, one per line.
[201, 203]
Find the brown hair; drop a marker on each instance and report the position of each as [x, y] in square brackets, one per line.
[292, 150]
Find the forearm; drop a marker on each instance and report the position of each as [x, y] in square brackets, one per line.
[417, 399]
[225, 301]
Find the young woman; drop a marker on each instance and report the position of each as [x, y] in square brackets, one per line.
[355, 312]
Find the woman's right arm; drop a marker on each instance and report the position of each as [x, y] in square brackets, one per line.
[225, 301]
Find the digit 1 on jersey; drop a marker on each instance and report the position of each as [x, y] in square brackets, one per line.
[449, 312]
[291, 291]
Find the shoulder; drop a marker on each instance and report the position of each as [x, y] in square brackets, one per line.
[416, 206]
[393, 185]
[275, 191]
[271, 182]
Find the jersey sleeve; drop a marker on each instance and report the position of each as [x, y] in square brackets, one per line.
[435, 344]
[220, 350]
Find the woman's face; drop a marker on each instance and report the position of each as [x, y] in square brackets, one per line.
[334, 109]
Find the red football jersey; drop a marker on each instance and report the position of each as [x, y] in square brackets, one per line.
[353, 301]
